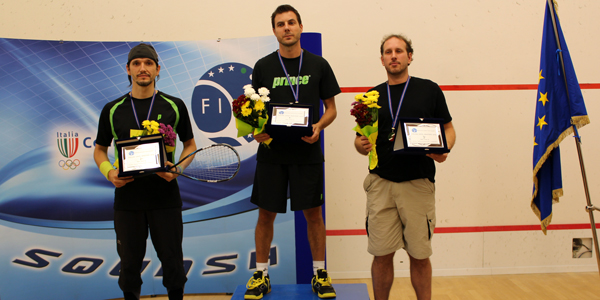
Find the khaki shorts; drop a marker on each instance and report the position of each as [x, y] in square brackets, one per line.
[400, 215]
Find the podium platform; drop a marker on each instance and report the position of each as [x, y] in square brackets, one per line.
[356, 291]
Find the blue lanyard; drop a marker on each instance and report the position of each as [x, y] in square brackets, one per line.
[297, 91]
[135, 113]
[393, 134]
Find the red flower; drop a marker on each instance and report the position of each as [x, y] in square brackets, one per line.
[237, 105]
[362, 113]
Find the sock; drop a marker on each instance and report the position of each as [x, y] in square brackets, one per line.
[318, 265]
[263, 267]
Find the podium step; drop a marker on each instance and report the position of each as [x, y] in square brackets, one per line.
[304, 292]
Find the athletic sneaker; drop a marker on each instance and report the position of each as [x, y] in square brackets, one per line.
[257, 286]
[321, 284]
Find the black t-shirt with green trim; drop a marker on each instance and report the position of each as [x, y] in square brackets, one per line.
[317, 82]
[147, 192]
[423, 99]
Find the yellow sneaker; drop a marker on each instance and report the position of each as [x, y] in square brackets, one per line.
[321, 284]
[257, 286]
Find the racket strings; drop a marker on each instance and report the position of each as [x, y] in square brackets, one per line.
[213, 164]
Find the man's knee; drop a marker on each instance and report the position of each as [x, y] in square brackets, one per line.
[266, 217]
[384, 258]
[313, 215]
[419, 262]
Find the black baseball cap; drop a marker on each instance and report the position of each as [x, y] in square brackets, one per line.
[142, 51]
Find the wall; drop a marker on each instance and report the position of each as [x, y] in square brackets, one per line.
[486, 181]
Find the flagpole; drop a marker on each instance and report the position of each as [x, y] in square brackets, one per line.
[589, 208]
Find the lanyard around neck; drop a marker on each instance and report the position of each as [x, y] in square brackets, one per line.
[135, 113]
[297, 91]
[392, 135]
[395, 118]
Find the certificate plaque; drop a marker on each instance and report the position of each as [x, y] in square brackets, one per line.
[141, 155]
[420, 136]
[289, 122]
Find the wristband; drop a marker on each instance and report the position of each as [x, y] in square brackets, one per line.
[105, 168]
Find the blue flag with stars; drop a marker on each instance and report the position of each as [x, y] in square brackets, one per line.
[559, 107]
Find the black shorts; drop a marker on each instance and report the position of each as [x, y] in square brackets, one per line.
[270, 190]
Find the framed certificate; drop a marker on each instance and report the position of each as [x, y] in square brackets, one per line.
[420, 136]
[289, 122]
[141, 155]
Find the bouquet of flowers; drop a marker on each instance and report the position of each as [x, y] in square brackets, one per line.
[365, 110]
[153, 127]
[250, 111]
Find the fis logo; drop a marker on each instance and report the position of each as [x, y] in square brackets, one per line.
[282, 81]
[212, 98]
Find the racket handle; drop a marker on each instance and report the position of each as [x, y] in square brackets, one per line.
[174, 169]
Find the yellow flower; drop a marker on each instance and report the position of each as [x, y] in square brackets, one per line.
[372, 94]
[151, 126]
[373, 105]
[246, 111]
[372, 100]
[154, 125]
[259, 105]
[358, 97]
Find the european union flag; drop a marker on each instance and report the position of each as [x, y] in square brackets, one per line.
[559, 107]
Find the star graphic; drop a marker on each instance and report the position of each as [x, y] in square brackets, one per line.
[534, 143]
[544, 98]
[541, 122]
[541, 77]
[221, 69]
[230, 68]
[211, 74]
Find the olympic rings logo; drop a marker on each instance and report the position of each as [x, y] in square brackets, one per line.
[69, 164]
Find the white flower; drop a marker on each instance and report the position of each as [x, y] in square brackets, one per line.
[263, 91]
[247, 86]
[265, 98]
[254, 97]
[249, 92]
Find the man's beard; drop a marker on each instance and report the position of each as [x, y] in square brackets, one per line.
[394, 71]
[145, 83]
[289, 43]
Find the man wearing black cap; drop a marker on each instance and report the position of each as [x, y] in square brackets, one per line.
[150, 203]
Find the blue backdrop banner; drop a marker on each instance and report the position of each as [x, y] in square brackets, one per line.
[56, 216]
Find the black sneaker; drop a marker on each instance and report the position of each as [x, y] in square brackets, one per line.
[257, 286]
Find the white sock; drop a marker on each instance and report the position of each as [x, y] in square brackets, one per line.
[317, 265]
[264, 267]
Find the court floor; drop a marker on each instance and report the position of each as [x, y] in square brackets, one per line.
[552, 286]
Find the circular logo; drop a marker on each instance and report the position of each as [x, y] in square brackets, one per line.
[212, 98]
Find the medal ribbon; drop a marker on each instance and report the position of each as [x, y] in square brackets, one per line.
[297, 91]
[135, 113]
[393, 134]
